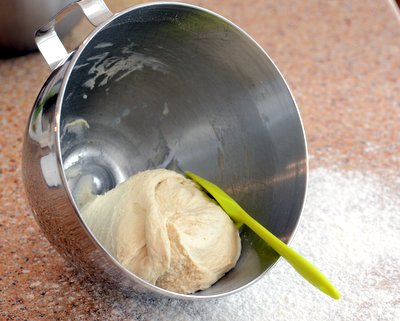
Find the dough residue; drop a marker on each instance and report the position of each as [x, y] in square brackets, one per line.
[166, 230]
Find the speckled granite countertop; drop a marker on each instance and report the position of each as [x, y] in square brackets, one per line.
[342, 62]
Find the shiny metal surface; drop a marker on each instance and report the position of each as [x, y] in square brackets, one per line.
[46, 37]
[175, 86]
[19, 19]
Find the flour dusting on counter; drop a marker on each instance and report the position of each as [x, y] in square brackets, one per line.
[344, 210]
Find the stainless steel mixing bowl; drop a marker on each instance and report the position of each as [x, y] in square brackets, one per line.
[163, 85]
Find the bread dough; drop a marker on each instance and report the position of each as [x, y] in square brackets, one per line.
[166, 230]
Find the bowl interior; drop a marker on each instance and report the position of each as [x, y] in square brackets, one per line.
[177, 87]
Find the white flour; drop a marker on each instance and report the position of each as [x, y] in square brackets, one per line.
[107, 67]
[350, 229]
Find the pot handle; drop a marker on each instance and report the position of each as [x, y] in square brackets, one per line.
[47, 39]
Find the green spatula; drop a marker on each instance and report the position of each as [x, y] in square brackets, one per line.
[239, 216]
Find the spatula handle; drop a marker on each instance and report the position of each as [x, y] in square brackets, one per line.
[301, 265]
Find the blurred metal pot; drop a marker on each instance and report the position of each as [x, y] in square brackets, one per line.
[19, 19]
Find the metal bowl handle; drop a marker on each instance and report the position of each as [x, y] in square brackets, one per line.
[47, 39]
